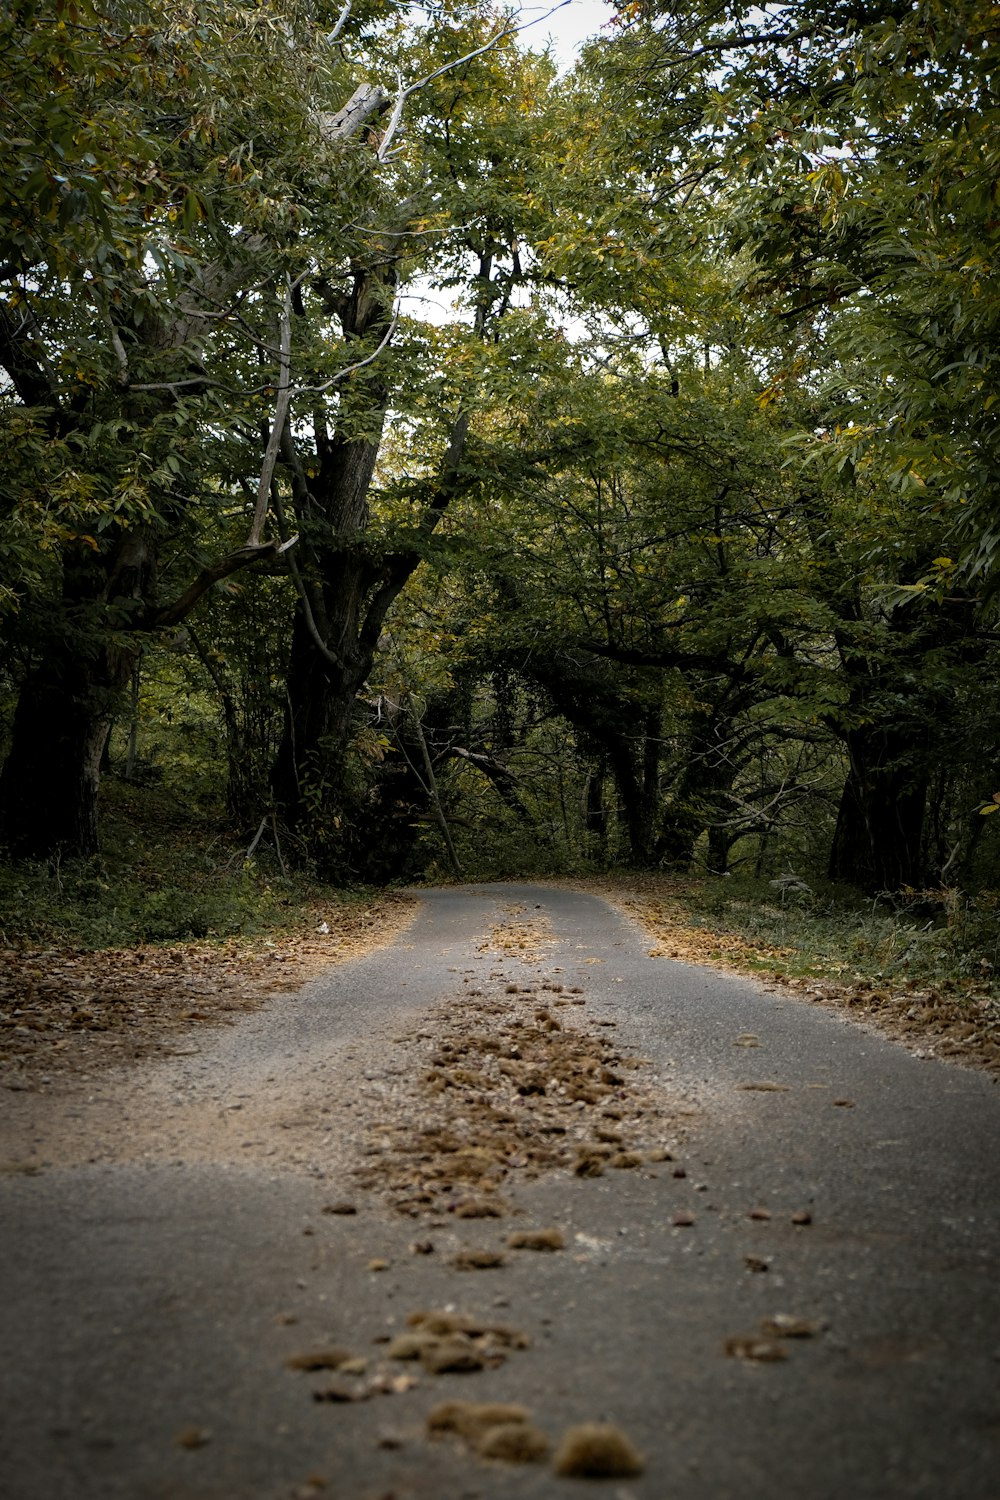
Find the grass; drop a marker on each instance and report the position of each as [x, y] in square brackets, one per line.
[927, 937]
[925, 966]
[166, 873]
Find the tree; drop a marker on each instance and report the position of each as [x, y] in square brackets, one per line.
[174, 210]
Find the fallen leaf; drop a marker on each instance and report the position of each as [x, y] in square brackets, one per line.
[756, 1349]
[193, 1437]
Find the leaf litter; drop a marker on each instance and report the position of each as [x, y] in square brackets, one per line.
[497, 1088]
[69, 1009]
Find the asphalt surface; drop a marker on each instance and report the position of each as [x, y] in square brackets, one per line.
[153, 1288]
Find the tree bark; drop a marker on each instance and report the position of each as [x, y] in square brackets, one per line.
[878, 840]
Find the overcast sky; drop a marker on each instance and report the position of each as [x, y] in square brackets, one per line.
[568, 26]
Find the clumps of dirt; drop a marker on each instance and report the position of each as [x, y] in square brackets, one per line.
[497, 1095]
[478, 1260]
[537, 1239]
[441, 1343]
[479, 1208]
[514, 1443]
[496, 1430]
[319, 1359]
[597, 1450]
[452, 1343]
[527, 939]
[768, 1345]
[442, 1324]
[64, 1010]
[491, 1429]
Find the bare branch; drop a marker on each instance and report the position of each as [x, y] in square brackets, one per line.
[300, 588]
[224, 567]
[341, 22]
[281, 406]
[413, 88]
[303, 390]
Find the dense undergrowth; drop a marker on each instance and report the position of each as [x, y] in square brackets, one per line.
[167, 872]
[171, 871]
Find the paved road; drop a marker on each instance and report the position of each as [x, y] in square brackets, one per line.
[158, 1281]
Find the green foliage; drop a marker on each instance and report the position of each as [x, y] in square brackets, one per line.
[684, 526]
[927, 937]
[158, 879]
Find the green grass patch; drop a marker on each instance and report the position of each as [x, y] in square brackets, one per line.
[930, 937]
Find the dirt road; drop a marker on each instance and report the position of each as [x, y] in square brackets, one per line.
[759, 1241]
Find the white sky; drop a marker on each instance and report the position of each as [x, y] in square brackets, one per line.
[567, 27]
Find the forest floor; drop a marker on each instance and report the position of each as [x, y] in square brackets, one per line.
[66, 1009]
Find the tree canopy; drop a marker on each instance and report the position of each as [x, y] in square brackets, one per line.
[525, 469]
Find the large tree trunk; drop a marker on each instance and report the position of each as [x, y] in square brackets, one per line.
[878, 841]
[50, 780]
[67, 702]
[309, 769]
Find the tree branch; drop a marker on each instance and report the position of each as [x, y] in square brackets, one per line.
[279, 421]
[224, 567]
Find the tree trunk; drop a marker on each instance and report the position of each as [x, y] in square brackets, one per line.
[877, 844]
[697, 799]
[50, 780]
[51, 777]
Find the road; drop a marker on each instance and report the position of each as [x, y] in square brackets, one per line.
[172, 1236]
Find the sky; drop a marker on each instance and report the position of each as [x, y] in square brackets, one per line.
[567, 26]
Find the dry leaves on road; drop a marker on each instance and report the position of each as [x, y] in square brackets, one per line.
[69, 1009]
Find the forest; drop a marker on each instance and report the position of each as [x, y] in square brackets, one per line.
[425, 462]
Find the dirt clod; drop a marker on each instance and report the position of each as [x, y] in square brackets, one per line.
[537, 1239]
[319, 1359]
[597, 1450]
[514, 1443]
[478, 1260]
